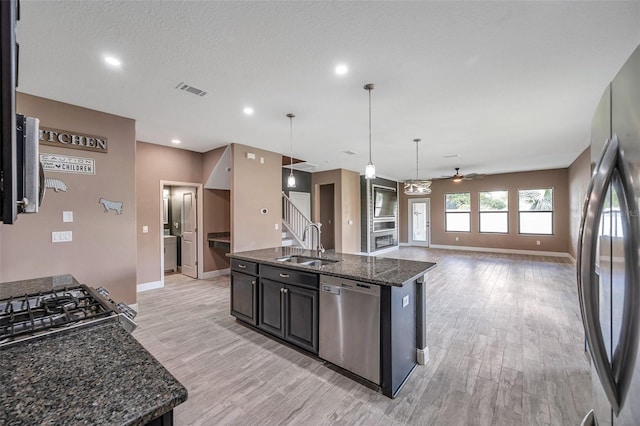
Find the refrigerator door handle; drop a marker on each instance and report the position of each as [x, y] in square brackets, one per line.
[586, 260]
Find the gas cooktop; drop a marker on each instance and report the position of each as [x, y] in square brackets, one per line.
[33, 315]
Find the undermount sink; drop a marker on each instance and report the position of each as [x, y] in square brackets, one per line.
[305, 260]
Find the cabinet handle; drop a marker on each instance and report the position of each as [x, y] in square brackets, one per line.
[282, 290]
[253, 282]
[241, 266]
[284, 275]
[285, 291]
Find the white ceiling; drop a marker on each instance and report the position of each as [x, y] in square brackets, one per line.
[510, 86]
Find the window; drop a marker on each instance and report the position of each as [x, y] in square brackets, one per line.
[457, 212]
[535, 211]
[494, 212]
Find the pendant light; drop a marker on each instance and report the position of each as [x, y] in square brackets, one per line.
[370, 169]
[417, 186]
[291, 180]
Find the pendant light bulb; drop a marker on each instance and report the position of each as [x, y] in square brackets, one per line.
[291, 180]
[370, 169]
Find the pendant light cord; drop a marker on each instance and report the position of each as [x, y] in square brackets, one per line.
[417, 140]
[291, 142]
[369, 89]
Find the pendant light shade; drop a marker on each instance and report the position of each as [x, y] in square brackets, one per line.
[291, 180]
[370, 169]
[417, 186]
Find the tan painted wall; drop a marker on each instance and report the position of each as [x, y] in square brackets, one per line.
[103, 250]
[255, 186]
[346, 206]
[350, 211]
[556, 178]
[153, 164]
[579, 176]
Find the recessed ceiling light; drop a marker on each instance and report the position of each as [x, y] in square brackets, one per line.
[114, 62]
[342, 69]
[176, 141]
[248, 110]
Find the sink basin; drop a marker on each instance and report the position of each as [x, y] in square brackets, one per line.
[305, 260]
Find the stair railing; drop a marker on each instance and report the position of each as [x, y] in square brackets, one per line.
[295, 222]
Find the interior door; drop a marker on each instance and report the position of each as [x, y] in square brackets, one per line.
[419, 219]
[189, 234]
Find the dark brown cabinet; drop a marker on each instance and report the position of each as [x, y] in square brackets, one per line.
[288, 307]
[244, 291]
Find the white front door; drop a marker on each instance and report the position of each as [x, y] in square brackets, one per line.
[189, 238]
[419, 218]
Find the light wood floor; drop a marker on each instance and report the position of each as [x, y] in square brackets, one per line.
[504, 333]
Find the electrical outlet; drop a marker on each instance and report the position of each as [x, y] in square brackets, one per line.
[457, 238]
[145, 229]
[405, 301]
[276, 226]
[538, 242]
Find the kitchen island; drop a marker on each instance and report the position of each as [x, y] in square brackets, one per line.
[278, 290]
[93, 374]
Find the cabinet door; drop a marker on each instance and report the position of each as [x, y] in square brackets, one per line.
[270, 307]
[243, 297]
[301, 317]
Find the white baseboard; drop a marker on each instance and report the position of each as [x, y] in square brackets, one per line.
[149, 286]
[404, 244]
[214, 274]
[499, 250]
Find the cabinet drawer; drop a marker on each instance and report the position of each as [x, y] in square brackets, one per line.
[244, 266]
[290, 276]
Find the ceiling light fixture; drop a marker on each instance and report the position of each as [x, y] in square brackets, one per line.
[114, 62]
[370, 169]
[342, 69]
[175, 141]
[457, 177]
[291, 180]
[417, 186]
[248, 110]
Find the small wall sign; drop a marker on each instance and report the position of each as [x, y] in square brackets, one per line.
[74, 140]
[68, 164]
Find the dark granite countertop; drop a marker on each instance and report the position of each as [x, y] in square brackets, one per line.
[93, 375]
[34, 285]
[371, 269]
[224, 237]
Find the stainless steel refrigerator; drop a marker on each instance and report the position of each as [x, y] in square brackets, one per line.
[609, 252]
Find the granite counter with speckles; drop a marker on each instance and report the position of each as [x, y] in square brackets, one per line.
[371, 269]
[92, 375]
[35, 285]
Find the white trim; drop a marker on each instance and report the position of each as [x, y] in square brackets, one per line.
[149, 286]
[381, 251]
[199, 219]
[213, 274]
[410, 201]
[499, 250]
[573, 259]
[422, 355]
[405, 244]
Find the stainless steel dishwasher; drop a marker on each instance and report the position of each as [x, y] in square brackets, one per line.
[350, 326]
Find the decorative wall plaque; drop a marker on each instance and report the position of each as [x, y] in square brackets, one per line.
[68, 164]
[74, 140]
[116, 206]
[57, 185]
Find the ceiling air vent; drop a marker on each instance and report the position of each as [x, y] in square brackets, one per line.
[349, 152]
[191, 89]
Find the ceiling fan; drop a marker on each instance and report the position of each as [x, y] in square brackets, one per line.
[459, 178]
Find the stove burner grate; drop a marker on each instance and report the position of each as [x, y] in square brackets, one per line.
[35, 313]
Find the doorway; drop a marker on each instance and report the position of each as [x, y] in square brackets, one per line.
[419, 220]
[327, 216]
[181, 247]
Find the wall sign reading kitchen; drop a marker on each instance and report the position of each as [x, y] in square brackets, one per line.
[68, 164]
[74, 140]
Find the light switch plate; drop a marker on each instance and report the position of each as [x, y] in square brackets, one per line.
[61, 236]
[67, 216]
[145, 229]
